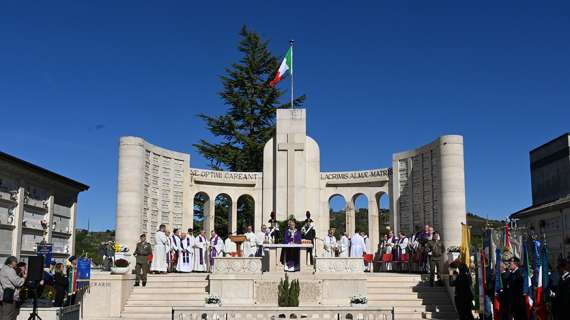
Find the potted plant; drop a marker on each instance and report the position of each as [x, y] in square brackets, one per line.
[359, 301]
[121, 266]
[213, 301]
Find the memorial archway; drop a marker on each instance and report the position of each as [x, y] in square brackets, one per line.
[245, 213]
[222, 217]
[200, 210]
[337, 214]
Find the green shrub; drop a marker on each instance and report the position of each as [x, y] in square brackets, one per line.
[288, 293]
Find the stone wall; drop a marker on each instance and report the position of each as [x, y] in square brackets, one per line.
[429, 188]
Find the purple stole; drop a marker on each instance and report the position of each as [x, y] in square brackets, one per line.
[213, 250]
[201, 250]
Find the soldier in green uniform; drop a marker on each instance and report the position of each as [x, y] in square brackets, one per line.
[144, 249]
[435, 251]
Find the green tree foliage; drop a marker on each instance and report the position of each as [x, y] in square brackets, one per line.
[283, 292]
[86, 243]
[288, 292]
[249, 121]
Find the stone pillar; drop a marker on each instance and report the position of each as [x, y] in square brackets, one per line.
[373, 222]
[350, 217]
[130, 191]
[209, 215]
[189, 215]
[233, 224]
[50, 205]
[72, 222]
[18, 217]
[453, 211]
[258, 219]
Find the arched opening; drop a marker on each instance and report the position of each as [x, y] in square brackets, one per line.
[222, 220]
[201, 205]
[337, 214]
[383, 202]
[245, 213]
[361, 212]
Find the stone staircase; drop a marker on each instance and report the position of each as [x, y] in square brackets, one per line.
[411, 295]
[163, 291]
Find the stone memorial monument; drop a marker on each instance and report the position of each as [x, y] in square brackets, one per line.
[425, 186]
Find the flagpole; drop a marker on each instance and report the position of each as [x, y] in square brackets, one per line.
[292, 66]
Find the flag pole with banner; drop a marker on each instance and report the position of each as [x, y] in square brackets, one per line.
[291, 42]
[286, 65]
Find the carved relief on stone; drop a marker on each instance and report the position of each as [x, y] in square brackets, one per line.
[266, 292]
[310, 292]
[340, 265]
[237, 265]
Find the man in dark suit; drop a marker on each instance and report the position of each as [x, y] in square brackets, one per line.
[561, 293]
[514, 290]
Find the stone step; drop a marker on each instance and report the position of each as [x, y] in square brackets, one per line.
[178, 284]
[429, 299]
[401, 284]
[181, 278]
[168, 290]
[165, 303]
[418, 308]
[137, 316]
[441, 315]
[419, 290]
[167, 297]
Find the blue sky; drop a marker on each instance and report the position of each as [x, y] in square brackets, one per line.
[380, 77]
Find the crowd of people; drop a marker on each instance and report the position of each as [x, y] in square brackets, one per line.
[15, 288]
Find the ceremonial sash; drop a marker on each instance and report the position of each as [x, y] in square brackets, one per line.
[185, 253]
[201, 251]
[214, 250]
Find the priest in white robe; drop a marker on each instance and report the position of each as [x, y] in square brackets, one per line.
[330, 245]
[357, 245]
[201, 252]
[344, 246]
[250, 244]
[161, 247]
[186, 253]
[216, 248]
[230, 248]
[262, 237]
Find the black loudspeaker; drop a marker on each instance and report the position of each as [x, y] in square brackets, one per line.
[35, 268]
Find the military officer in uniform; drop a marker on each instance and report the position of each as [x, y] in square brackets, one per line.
[143, 251]
[435, 251]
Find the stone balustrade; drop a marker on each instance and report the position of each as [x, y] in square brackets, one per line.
[339, 265]
[253, 312]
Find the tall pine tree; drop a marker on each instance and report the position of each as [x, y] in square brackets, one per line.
[250, 118]
[248, 123]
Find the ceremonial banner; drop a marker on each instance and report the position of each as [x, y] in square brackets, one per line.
[465, 243]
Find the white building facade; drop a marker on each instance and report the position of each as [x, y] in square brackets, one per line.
[36, 205]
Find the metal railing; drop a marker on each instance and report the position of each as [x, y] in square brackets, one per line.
[275, 313]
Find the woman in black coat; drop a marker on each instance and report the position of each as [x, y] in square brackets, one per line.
[60, 285]
[463, 293]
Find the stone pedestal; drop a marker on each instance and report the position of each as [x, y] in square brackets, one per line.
[273, 251]
[107, 295]
[240, 282]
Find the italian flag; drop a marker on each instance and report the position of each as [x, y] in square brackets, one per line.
[286, 65]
